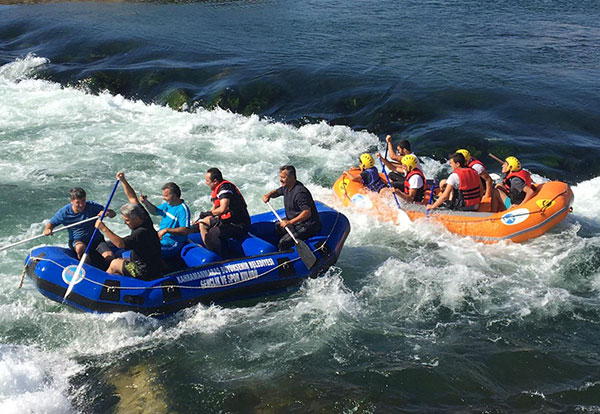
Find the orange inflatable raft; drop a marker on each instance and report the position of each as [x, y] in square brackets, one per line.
[550, 205]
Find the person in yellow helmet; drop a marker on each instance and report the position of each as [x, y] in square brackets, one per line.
[478, 166]
[369, 174]
[414, 180]
[517, 188]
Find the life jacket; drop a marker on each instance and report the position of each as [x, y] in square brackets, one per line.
[375, 183]
[421, 191]
[517, 197]
[216, 202]
[474, 161]
[468, 189]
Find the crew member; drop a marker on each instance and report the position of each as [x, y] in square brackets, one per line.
[145, 262]
[517, 188]
[301, 215]
[478, 166]
[462, 188]
[403, 148]
[227, 219]
[79, 236]
[369, 174]
[414, 181]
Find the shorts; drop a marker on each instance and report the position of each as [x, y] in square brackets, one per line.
[98, 245]
[131, 269]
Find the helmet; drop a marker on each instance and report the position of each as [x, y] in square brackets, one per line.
[513, 164]
[410, 160]
[367, 160]
[465, 154]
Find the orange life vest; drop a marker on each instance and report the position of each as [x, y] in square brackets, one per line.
[468, 189]
[216, 202]
[420, 191]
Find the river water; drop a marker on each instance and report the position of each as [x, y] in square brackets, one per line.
[411, 318]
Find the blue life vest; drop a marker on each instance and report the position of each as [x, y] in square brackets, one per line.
[375, 182]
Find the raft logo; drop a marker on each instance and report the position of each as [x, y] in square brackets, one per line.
[69, 271]
[361, 201]
[515, 217]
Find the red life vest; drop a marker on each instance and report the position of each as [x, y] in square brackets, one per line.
[475, 161]
[468, 188]
[522, 174]
[215, 199]
[420, 191]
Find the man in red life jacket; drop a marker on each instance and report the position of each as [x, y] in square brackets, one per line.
[478, 166]
[517, 188]
[369, 175]
[413, 188]
[462, 188]
[227, 219]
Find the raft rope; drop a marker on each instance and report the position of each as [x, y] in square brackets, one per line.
[114, 288]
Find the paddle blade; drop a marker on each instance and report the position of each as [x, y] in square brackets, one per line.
[75, 276]
[306, 255]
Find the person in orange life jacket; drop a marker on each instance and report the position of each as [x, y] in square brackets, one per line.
[403, 148]
[478, 166]
[227, 219]
[301, 215]
[369, 174]
[517, 188]
[462, 187]
[413, 187]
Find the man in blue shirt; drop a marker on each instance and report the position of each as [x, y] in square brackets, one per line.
[79, 236]
[174, 213]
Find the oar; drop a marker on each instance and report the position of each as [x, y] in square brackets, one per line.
[496, 158]
[306, 255]
[430, 197]
[80, 265]
[53, 231]
[388, 178]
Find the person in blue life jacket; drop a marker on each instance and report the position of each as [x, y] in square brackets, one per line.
[462, 188]
[413, 187]
[175, 213]
[77, 210]
[301, 215]
[478, 166]
[227, 219]
[517, 187]
[369, 174]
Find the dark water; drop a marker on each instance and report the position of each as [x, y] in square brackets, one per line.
[503, 76]
[410, 320]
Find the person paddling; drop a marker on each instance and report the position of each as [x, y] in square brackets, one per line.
[478, 166]
[462, 188]
[79, 236]
[369, 175]
[517, 188]
[145, 262]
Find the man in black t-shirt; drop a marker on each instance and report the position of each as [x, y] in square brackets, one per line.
[301, 214]
[145, 262]
[227, 219]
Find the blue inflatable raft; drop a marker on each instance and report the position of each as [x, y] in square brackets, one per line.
[259, 271]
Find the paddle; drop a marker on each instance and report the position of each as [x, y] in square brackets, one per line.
[496, 158]
[388, 178]
[80, 265]
[430, 197]
[306, 255]
[53, 231]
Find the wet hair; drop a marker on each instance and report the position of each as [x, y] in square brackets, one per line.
[290, 170]
[174, 188]
[77, 193]
[215, 174]
[404, 144]
[458, 158]
[131, 210]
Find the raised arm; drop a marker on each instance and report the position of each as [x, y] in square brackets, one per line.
[129, 191]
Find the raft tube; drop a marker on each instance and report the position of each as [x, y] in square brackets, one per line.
[549, 206]
[260, 271]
